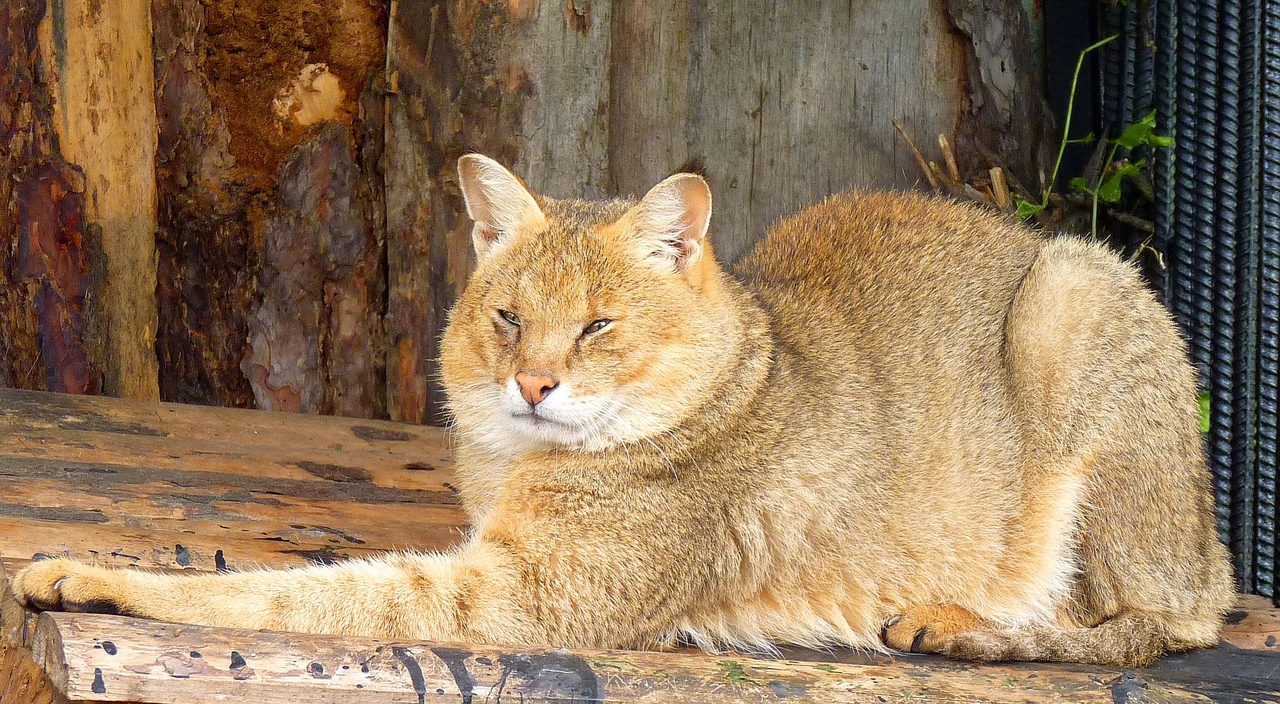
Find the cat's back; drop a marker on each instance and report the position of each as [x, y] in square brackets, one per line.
[890, 273]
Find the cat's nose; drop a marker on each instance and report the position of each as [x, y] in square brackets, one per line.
[535, 386]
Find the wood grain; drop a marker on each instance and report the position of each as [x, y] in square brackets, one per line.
[788, 102]
[45, 254]
[106, 658]
[524, 82]
[125, 484]
[99, 64]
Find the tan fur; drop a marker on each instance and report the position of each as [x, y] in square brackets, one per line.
[897, 407]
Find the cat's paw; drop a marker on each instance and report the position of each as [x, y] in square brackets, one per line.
[67, 585]
[929, 629]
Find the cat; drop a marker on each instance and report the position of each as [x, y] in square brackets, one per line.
[902, 423]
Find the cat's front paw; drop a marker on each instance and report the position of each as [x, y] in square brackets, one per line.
[67, 585]
[929, 629]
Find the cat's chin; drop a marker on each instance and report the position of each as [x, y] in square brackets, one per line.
[525, 432]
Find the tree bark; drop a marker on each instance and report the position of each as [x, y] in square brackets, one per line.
[97, 61]
[270, 246]
[44, 279]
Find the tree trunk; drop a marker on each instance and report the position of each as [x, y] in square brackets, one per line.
[45, 274]
[270, 246]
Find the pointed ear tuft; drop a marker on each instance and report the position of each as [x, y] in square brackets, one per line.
[671, 221]
[496, 200]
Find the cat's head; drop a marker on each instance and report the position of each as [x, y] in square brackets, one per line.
[586, 324]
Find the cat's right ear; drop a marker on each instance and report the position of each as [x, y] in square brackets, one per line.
[497, 201]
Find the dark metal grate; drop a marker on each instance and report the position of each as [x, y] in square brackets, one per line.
[1211, 72]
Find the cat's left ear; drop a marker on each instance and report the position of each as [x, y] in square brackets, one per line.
[496, 200]
[670, 223]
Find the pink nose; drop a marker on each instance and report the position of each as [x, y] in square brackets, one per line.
[534, 386]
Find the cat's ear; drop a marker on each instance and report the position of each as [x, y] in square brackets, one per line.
[496, 200]
[670, 222]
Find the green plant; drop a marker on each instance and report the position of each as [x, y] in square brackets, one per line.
[1113, 175]
[1027, 208]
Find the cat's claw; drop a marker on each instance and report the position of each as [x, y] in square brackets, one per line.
[928, 629]
[66, 585]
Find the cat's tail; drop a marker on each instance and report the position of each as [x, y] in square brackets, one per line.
[1131, 639]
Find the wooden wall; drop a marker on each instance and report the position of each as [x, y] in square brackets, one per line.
[308, 239]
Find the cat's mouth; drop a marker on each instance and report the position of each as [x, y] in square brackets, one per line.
[538, 420]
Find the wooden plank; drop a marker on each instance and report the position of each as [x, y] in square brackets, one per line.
[250, 431]
[106, 658]
[788, 102]
[124, 483]
[525, 82]
[98, 60]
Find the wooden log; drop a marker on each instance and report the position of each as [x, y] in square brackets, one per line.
[98, 62]
[44, 253]
[525, 82]
[106, 658]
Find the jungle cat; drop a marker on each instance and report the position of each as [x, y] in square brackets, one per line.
[900, 423]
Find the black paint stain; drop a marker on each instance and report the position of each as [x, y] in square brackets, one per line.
[98, 686]
[183, 555]
[370, 433]
[558, 675]
[41, 556]
[317, 670]
[415, 675]
[1235, 617]
[109, 647]
[196, 654]
[1271, 641]
[220, 562]
[335, 472]
[456, 660]
[420, 467]
[237, 660]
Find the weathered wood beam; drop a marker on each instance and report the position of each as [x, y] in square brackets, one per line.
[107, 658]
[99, 63]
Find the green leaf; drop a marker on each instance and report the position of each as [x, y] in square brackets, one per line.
[1143, 132]
[1136, 135]
[1026, 208]
[1078, 184]
[1202, 400]
[1109, 191]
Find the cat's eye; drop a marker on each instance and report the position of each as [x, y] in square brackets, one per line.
[509, 317]
[596, 327]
